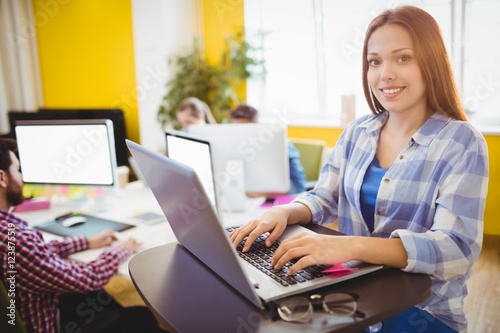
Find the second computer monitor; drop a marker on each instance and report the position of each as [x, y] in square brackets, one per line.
[196, 154]
[261, 147]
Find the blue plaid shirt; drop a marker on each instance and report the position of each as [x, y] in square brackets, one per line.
[432, 198]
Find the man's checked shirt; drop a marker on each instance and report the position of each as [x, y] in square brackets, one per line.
[41, 272]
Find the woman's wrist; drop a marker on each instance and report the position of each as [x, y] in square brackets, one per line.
[379, 251]
[298, 213]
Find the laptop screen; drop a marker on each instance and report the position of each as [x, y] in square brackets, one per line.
[196, 154]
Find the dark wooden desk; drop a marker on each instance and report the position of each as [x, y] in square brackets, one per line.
[186, 295]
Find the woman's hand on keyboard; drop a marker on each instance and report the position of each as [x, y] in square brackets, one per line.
[274, 221]
[314, 249]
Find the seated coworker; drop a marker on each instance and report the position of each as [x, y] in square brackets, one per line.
[406, 183]
[193, 111]
[245, 113]
[43, 275]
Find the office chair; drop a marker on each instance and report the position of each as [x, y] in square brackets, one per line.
[103, 318]
[101, 324]
[4, 324]
[311, 157]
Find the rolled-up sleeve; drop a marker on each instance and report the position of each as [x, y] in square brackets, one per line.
[453, 243]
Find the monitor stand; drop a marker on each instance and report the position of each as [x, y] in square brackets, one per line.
[232, 195]
[101, 199]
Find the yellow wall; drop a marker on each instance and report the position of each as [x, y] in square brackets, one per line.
[87, 56]
[329, 135]
[222, 18]
[492, 224]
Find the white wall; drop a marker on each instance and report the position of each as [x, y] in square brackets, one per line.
[162, 29]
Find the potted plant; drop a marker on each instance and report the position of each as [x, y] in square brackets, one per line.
[214, 84]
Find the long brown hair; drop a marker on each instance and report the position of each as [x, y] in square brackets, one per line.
[431, 55]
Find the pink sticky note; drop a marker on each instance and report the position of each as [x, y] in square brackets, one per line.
[339, 268]
[279, 200]
[334, 275]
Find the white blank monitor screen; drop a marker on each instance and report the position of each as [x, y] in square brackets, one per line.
[67, 152]
[196, 154]
[262, 147]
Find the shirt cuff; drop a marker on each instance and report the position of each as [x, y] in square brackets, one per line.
[317, 216]
[409, 246]
[117, 251]
[81, 243]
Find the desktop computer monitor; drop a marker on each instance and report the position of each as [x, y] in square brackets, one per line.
[71, 152]
[115, 115]
[262, 149]
[67, 152]
[197, 154]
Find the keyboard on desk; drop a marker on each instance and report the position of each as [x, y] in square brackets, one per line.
[260, 257]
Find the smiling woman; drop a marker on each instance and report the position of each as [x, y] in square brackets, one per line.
[394, 75]
[407, 183]
[407, 74]
[419, 57]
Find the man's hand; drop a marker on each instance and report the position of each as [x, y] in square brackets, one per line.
[104, 238]
[131, 244]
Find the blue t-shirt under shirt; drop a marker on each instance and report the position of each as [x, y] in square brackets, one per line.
[369, 190]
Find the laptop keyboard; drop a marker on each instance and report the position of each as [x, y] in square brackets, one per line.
[260, 256]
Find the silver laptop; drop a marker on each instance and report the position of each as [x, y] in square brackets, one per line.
[194, 222]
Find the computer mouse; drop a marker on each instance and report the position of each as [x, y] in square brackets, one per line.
[73, 221]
